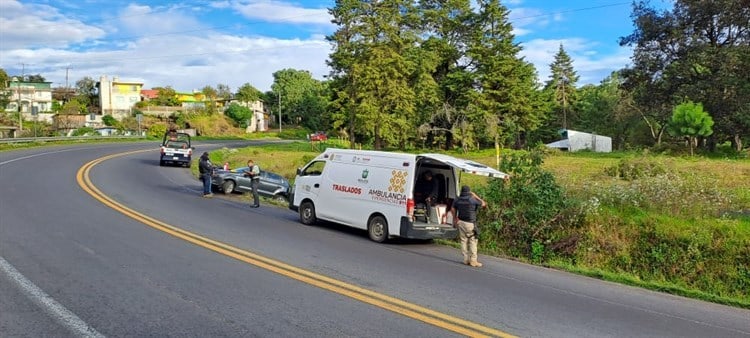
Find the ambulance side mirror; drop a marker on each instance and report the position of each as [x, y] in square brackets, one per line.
[299, 171]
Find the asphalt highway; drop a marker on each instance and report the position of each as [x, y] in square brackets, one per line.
[92, 245]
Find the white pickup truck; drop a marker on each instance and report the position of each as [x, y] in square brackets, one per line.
[176, 149]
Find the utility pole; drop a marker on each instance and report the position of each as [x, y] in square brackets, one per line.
[18, 104]
[279, 109]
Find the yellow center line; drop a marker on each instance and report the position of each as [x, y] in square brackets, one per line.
[439, 319]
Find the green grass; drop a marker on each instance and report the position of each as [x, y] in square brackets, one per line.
[628, 279]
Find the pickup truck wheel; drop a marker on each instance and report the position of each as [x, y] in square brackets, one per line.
[280, 198]
[377, 228]
[307, 213]
[228, 187]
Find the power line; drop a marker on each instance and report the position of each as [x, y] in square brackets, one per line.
[571, 11]
[189, 55]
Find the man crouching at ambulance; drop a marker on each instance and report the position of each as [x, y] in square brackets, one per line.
[464, 211]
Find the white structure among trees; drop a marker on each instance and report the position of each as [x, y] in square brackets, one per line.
[576, 140]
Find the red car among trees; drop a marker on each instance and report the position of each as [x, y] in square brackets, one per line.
[318, 136]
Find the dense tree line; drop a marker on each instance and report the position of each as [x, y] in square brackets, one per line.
[451, 72]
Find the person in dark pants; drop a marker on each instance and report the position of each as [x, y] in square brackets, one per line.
[464, 211]
[253, 171]
[425, 190]
[205, 167]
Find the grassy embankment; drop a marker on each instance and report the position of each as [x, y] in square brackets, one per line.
[673, 224]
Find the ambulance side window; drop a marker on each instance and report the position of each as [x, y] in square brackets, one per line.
[314, 169]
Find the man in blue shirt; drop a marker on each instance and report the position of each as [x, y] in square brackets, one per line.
[464, 211]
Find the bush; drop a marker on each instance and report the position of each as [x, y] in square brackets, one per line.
[529, 215]
[294, 133]
[686, 195]
[157, 131]
[109, 120]
[634, 168]
[84, 131]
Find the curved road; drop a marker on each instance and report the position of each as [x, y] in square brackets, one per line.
[157, 259]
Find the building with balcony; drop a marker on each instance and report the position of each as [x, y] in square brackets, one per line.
[29, 98]
[117, 97]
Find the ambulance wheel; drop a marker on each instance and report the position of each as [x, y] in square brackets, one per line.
[377, 228]
[307, 213]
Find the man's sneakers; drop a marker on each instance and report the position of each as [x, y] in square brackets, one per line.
[255, 206]
[209, 195]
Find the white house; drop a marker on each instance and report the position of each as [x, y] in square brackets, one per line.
[259, 121]
[29, 97]
[576, 140]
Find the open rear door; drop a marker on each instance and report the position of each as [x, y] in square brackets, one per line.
[467, 166]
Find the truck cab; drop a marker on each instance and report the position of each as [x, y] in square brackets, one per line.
[176, 149]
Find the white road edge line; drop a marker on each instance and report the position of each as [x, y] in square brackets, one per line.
[58, 312]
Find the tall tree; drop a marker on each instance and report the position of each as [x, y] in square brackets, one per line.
[223, 92]
[346, 45]
[4, 94]
[212, 95]
[293, 89]
[248, 94]
[444, 95]
[508, 102]
[87, 92]
[35, 78]
[562, 83]
[607, 109]
[375, 55]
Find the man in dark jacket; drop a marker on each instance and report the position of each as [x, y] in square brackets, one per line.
[206, 168]
[425, 190]
[464, 211]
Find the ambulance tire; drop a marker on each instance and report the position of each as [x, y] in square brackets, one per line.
[307, 213]
[377, 229]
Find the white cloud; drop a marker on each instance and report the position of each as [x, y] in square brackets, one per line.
[31, 25]
[527, 20]
[281, 12]
[144, 20]
[186, 62]
[591, 66]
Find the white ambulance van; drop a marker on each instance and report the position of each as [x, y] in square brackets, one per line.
[374, 191]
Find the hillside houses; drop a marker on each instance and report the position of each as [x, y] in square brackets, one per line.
[116, 97]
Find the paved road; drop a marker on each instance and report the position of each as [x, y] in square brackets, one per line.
[73, 266]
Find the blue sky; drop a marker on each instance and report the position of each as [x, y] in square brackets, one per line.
[193, 43]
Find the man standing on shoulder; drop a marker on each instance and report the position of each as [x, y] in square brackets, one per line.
[253, 171]
[205, 167]
[464, 211]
